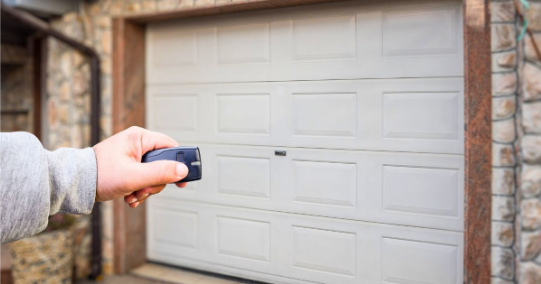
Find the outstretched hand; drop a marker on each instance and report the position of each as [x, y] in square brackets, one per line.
[121, 173]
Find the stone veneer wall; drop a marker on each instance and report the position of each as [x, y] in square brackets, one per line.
[516, 188]
[516, 174]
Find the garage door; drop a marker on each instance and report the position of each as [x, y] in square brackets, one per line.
[331, 138]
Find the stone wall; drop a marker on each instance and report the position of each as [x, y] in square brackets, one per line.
[516, 188]
[529, 145]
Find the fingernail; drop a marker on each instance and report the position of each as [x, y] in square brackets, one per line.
[182, 170]
[136, 204]
[145, 195]
[133, 200]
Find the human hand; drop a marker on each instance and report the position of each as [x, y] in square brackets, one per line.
[121, 173]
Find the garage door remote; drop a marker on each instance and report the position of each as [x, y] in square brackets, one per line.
[187, 155]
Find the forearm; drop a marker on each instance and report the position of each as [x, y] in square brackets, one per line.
[35, 183]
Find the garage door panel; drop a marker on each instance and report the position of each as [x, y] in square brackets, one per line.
[423, 190]
[175, 231]
[412, 115]
[317, 249]
[330, 41]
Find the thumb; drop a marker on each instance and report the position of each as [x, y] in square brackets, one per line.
[158, 172]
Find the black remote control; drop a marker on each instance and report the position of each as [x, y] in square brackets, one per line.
[187, 155]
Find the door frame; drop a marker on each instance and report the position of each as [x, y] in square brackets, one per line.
[129, 109]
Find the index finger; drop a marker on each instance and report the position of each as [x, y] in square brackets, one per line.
[154, 140]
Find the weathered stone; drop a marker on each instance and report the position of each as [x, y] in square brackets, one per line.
[530, 181]
[117, 8]
[503, 131]
[532, 82]
[503, 208]
[76, 136]
[504, 84]
[106, 42]
[503, 155]
[531, 214]
[204, 2]
[52, 114]
[502, 234]
[106, 65]
[533, 15]
[132, 8]
[503, 181]
[503, 263]
[531, 245]
[166, 5]
[530, 273]
[529, 49]
[185, 3]
[149, 6]
[503, 37]
[63, 113]
[502, 11]
[503, 107]
[103, 22]
[79, 83]
[78, 59]
[66, 64]
[531, 117]
[531, 148]
[65, 92]
[504, 61]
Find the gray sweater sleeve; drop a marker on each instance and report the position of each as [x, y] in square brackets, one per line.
[36, 183]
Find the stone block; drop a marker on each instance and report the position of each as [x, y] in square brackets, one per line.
[533, 15]
[103, 22]
[106, 42]
[503, 181]
[204, 2]
[502, 37]
[503, 155]
[531, 117]
[79, 83]
[530, 273]
[63, 114]
[502, 11]
[503, 234]
[531, 245]
[531, 149]
[504, 84]
[503, 107]
[504, 61]
[185, 3]
[503, 208]
[532, 82]
[149, 6]
[167, 5]
[531, 214]
[530, 184]
[503, 263]
[52, 114]
[529, 49]
[503, 131]
[65, 92]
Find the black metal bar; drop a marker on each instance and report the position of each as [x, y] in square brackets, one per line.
[14, 111]
[37, 24]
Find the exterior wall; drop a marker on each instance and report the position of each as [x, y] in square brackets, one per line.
[516, 228]
[529, 143]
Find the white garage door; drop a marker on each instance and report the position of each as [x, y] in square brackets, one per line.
[331, 138]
